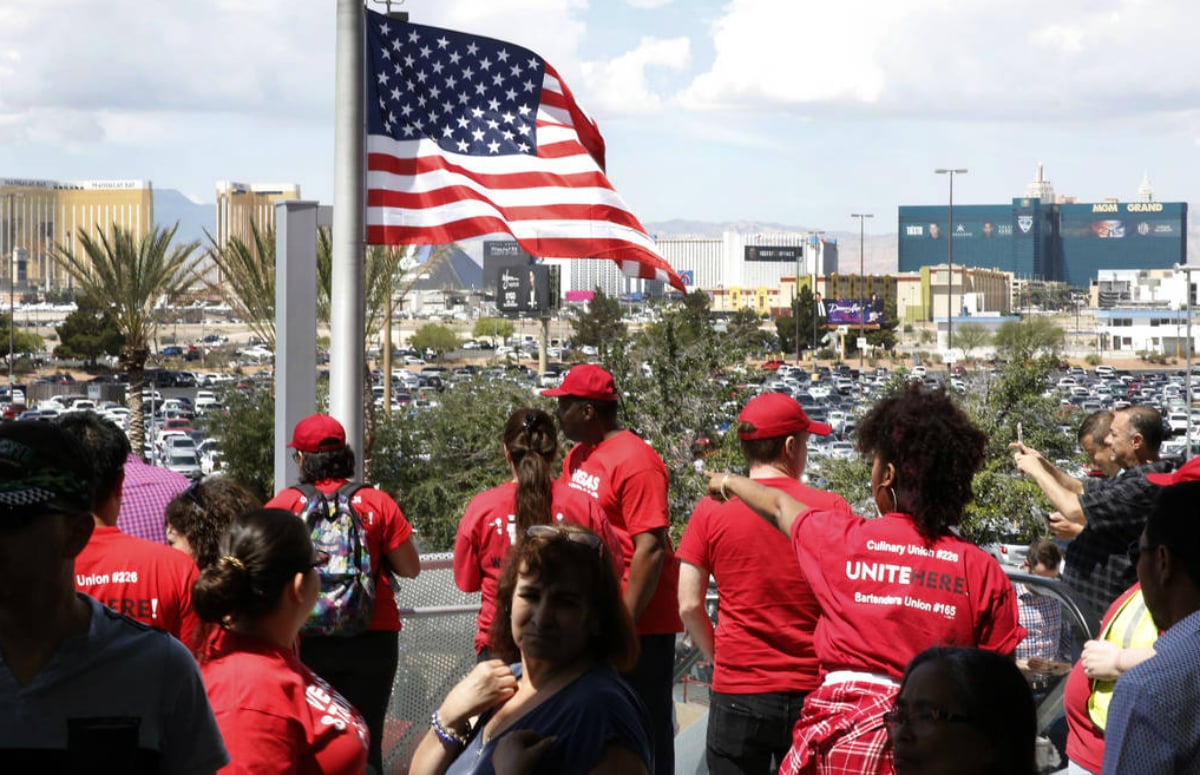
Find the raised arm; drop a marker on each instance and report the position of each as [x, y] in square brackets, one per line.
[775, 506]
[1064, 499]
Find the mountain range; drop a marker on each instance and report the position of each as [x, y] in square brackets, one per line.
[879, 250]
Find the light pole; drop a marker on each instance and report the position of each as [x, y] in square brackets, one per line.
[950, 257]
[12, 271]
[862, 306]
[810, 245]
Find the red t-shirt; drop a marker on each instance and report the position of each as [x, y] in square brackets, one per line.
[149, 582]
[487, 532]
[886, 593]
[764, 634]
[386, 528]
[629, 480]
[1085, 743]
[276, 715]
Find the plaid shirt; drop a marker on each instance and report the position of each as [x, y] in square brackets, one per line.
[144, 498]
[1097, 568]
[841, 732]
[1041, 616]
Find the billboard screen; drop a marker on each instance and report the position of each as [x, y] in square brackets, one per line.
[523, 290]
[845, 312]
[792, 253]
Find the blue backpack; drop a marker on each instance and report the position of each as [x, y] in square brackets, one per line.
[347, 596]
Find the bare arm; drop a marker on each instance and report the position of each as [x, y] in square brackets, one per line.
[693, 586]
[489, 684]
[404, 560]
[649, 551]
[1068, 483]
[775, 506]
[1064, 500]
[1106, 661]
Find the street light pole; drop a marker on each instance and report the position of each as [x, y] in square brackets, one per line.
[12, 271]
[950, 257]
[862, 306]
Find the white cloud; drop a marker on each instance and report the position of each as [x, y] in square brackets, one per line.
[621, 86]
[966, 60]
[649, 4]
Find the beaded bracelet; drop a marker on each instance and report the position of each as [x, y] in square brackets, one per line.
[448, 736]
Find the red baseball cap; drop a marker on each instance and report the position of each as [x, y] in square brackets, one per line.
[318, 433]
[587, 380]
[1188, 472]
[777, 414]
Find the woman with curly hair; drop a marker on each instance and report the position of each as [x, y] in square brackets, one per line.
[891, 586]
[198, 516]
[497, 519]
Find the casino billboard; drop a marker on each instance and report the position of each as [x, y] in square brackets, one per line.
[1071, 243]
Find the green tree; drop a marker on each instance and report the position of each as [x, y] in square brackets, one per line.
[1018, 340]
[785, 325]
[600, 324]
[493, 329]
[972, 336]
[23, 341]
[133, 275]
[88, 332]
[436, 337]
[744, 335]
[245, 433]
[884, 337]
[246, 279]
[434, 461]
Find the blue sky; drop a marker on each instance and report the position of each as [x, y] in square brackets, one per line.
[786, 111]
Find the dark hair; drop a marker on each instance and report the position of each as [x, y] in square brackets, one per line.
[997, 700]
[762, 450]
[1044, 553]
[531, 439]
[935, 448]
[1174, 522]
[1095, 425]
[1147, 421]
[319, 466]
[203, 511]
[261, 552]
[550, 559]
[106, 446]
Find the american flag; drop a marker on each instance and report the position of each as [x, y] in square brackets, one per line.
[469, 136]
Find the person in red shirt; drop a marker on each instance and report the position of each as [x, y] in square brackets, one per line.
[495, 518]
[629, 480]
[891, 586]
[764, 662]
[361, 667]
[146, 581]
[275, 714]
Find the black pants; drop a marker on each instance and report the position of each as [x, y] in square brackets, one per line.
[362, 669]
[750, 733]
[652, 679]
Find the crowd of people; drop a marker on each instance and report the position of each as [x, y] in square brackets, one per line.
[152, 625]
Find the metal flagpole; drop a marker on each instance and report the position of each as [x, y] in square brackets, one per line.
[346, 316]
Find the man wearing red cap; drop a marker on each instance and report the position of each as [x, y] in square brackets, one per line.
[764, 662]
[361, 667]
[629, 480]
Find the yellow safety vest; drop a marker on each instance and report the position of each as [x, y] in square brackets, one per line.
[1131, 627]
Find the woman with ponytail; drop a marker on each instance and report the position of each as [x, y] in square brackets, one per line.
[275, 714]
[497, 519]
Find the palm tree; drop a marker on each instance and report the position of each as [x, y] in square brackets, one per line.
[247, 279]
[132, 275]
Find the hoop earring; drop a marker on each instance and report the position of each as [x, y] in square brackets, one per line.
[895, 502]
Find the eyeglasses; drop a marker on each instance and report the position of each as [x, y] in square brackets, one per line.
[921, 718]
[1135, 551]
[590, 540]
[192, 493]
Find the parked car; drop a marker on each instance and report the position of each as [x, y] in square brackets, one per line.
[183, 461]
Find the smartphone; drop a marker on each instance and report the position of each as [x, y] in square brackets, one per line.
[1020, 435]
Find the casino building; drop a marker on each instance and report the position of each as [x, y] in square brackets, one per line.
[35, 215]
[1041, 237]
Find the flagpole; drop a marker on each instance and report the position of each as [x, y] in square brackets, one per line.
[346, 316]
